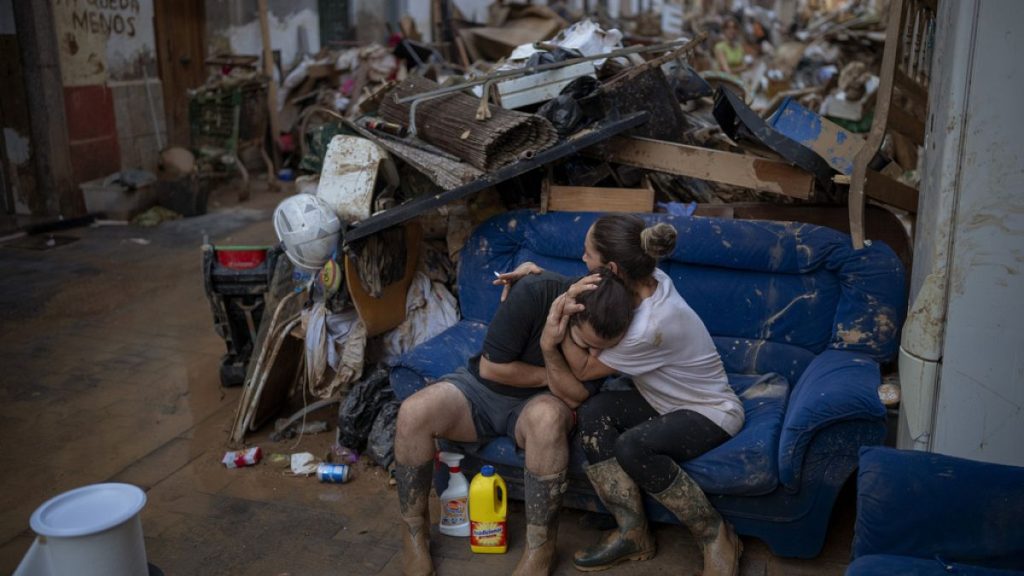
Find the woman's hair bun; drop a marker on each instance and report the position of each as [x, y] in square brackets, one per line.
[659, 240]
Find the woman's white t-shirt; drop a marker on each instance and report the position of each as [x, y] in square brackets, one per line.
[674, 364]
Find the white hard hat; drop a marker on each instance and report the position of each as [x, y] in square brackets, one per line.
[308, 228]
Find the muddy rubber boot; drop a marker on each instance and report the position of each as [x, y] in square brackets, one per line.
[543, 502]
[632, 540]
[413, 497]
[718, 543]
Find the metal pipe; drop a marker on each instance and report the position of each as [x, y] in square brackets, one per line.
[688, 45]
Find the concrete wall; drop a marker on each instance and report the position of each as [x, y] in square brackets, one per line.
[233, 26]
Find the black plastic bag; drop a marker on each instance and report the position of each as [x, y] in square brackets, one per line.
[360, 409]
[381, 447]
[572, 109]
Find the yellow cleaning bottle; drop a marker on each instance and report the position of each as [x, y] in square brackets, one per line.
[488, 508]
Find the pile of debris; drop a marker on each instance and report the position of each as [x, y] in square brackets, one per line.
[412, 144]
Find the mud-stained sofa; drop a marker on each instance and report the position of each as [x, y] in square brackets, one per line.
[801, 319]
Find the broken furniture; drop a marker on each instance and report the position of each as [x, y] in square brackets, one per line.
[906, 65]
[227, 117]
[462, 179]
[802, 322]
[932, 514]
[236, 280]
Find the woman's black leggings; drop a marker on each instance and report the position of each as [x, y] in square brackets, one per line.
[621, 424]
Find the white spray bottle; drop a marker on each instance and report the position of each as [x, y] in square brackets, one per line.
[455, 499]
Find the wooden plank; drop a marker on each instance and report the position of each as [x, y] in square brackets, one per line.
[591, 199]
[874, 139]
[913, 89]
[707, 164]
[892, 192]
[901, 121]
[268, 69]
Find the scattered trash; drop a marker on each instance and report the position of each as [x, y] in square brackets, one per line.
[333, 473]
[279, 460]
[360, 408]
[154, 216]
[285, 429]
[303, 464]
[343, 454]
[242, 458]
[139, 241]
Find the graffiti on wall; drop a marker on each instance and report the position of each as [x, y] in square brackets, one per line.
[104, 39]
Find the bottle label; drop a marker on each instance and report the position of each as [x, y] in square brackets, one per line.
[487, 533]
[454, 512]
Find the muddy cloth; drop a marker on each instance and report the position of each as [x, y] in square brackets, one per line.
[624, 426]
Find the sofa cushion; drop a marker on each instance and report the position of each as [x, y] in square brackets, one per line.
[838, 386]
[927, 505]
[746, 465]
[892, 565]
[440, 355]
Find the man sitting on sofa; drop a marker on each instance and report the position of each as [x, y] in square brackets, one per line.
[505, 391]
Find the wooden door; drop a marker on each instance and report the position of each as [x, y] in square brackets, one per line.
[181, 49]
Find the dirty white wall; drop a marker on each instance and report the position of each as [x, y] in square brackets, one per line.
[972, 230]
[112, 43]
[233, 26]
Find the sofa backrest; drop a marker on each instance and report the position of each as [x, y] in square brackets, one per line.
[772, 294]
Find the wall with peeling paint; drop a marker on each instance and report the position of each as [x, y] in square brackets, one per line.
[113, 95]
[233, 27]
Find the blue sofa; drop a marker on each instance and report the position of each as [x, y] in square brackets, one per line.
[920, 514]
[802, 322]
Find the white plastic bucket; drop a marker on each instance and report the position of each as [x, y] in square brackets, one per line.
[94, 530]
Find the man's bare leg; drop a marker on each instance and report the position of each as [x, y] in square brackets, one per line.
[543, 433]
[437, 411]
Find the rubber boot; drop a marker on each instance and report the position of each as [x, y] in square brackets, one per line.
[718, 543]
[413, 497]
[632, 540]
[543, 502]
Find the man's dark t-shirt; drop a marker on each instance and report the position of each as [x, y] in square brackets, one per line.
[514, 332]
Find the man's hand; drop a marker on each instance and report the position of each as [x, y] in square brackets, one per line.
[557, 325]
[585, 284]
[509, 278]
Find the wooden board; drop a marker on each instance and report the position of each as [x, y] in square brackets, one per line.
[591, 199]
[707, 164]
[891, 191]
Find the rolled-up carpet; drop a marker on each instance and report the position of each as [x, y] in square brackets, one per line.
[449, 122]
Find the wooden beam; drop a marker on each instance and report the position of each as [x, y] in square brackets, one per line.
[901, 121]
[707, 164]
[592, 199]
[891, 191]
[268, 69]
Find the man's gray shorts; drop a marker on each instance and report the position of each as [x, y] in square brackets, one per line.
[494, 414]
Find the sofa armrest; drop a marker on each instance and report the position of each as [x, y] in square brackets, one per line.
[837, 386]
[436, 357]
[930, 505]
